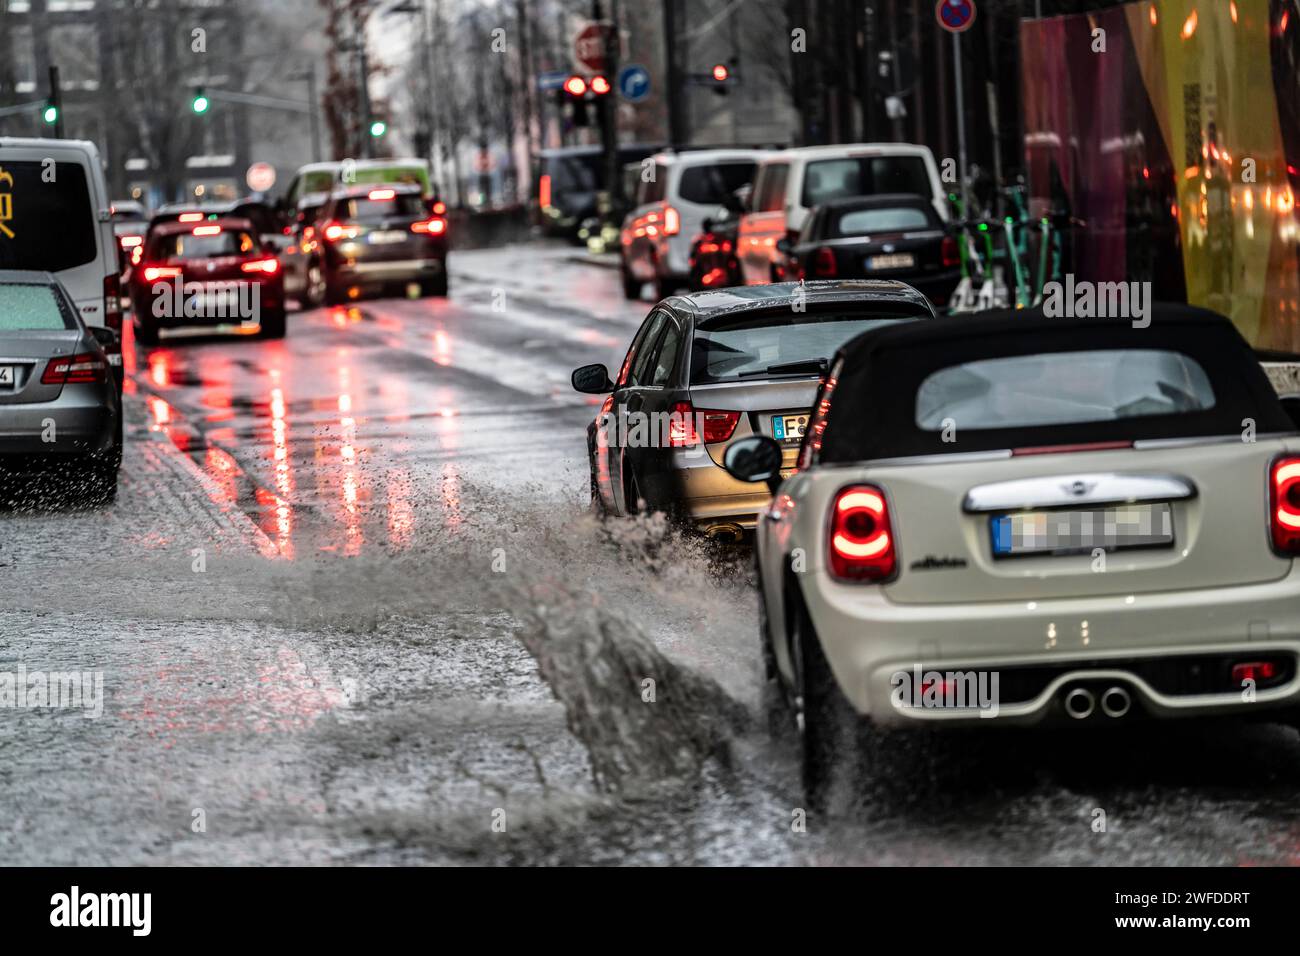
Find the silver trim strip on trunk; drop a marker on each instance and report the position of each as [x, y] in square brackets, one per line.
[1093, 488]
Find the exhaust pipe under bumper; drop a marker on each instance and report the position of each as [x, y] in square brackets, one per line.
[1116, 702]
[725, 533]
[1079, 703]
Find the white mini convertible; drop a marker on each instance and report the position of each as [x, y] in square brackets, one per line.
[1015, 519]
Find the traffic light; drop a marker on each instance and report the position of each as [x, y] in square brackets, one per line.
[50, 114]
[600, 85]
[378, 128]
[721, 74]
[575, 91]
[200, 103]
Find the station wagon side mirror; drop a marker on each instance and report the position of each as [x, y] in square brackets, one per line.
[754, 458]
[1291, 403]
[783, 246]
[106, 337]
[592, 380]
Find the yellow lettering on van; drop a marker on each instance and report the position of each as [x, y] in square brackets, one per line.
[6, 203]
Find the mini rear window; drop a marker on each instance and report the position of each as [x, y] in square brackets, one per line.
[1062, 388]
[31, 308]
[47, 222]
[863, 222]
[784, 343]
[186, 245]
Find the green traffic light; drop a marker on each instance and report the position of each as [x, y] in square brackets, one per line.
[200, 103]
[378, 128]
[51, 114]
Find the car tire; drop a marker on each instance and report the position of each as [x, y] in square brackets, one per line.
[597, 503]
[664, 286]
[334, 295]
[146, 334]
[313, 290]
[273, 324]
[435, 287]
[835, 741]
[775, 703]
[631, 284]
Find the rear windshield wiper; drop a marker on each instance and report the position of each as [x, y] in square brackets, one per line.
[805, 366]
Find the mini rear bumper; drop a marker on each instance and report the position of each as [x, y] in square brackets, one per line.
[80, 421]
[1158, 647]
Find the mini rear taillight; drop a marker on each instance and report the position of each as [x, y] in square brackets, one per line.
[265, 266]
[861, 541]
[1284, 505]
[80, 369]
[716, 425]
[430, 227]
[824, 265]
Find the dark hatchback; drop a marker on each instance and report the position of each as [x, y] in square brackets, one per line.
[373, 237]
[898, 237]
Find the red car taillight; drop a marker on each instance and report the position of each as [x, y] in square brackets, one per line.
[431, 227]
[1284, 505]
[154, 273]
[861, 541]
[949, 255]
[80, 369]
[824, 266]
[672, 222]
[265, 266]
[717, 425]
[334, 231]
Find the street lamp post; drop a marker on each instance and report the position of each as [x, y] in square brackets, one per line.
[309, 77]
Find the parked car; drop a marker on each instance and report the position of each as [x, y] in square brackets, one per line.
[791, 183]
[708, 369]
[878, 237]
[213, 274]
[61, 224]
[1008, 519]
[680, 190]
[377, 237]
[59, 403]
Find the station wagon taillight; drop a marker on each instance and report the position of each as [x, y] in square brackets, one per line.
[113, 301]
[861, 541]
[80, 369]
[717, 425]
[1284, 505]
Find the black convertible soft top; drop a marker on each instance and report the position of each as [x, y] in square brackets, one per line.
[872, 411]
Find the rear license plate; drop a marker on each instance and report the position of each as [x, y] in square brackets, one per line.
[8, 375]
[386, 238]
[901, 260]
[1082, 531]
[789, 428]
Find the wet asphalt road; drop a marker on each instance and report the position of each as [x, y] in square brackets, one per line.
[349, 574]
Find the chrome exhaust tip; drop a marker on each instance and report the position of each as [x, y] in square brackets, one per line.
[1079, 703]
[1116, 702]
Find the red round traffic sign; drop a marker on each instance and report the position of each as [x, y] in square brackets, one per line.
[955, 16]
[590, 44]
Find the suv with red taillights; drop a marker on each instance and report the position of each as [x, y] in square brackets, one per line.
[209, 273]
[373, 237]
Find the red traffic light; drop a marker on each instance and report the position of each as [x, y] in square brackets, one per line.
[720, 73]
[575, 86]
[599, 85]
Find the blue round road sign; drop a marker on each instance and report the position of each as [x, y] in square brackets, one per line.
[634, 83]
[955, 16]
